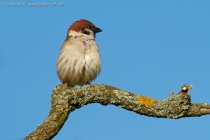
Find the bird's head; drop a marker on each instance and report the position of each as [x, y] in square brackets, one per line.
[85, 27]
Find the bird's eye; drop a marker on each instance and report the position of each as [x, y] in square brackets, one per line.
[85, 31]
[91, 28]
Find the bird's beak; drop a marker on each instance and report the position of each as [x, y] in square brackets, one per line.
[96, 30]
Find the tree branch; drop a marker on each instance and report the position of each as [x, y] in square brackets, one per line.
[65, 100]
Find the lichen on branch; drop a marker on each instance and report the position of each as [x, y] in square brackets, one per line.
[66, 99]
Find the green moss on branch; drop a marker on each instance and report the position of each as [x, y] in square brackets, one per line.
[65, 100]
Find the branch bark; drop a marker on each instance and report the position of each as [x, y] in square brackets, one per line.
[66, 99]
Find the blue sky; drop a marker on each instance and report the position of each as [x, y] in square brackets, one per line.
[147, 47]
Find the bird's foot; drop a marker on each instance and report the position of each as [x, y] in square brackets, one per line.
[64, 84]
[92, 85]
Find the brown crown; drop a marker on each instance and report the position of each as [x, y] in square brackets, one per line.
[78, 25]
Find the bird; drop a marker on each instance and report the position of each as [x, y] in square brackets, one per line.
[79, 61]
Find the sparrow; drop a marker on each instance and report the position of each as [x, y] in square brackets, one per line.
[79, 62]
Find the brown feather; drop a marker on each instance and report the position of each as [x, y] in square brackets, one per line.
[78, 25]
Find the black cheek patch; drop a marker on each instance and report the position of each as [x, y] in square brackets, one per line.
[85, 32]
